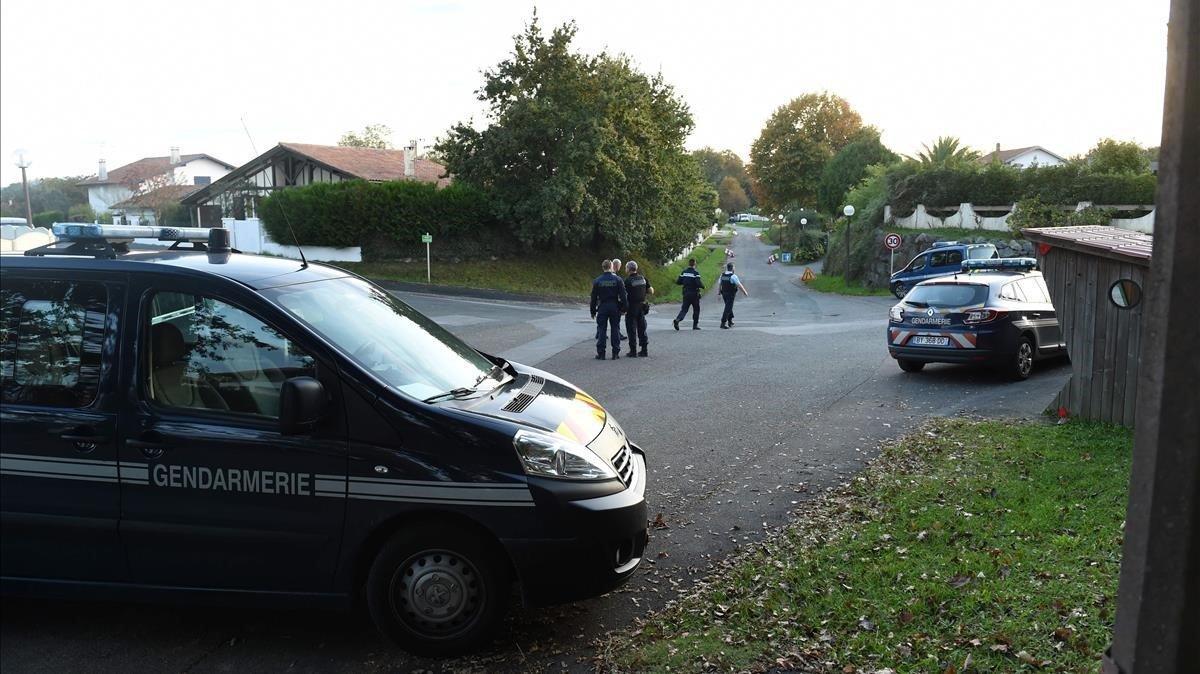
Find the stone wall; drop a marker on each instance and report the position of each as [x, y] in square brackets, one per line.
[877, 273]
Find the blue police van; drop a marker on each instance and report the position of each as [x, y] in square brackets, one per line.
[993, 312]
[941, 259]
[200, 424]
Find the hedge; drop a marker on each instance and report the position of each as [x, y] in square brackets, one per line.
[361, 213]
[995, 185]
[47, 218]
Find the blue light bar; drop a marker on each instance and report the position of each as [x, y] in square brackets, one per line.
[71, 231]
[942, 244]
[1001, 264]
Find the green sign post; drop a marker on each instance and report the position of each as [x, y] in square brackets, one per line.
[427, 239]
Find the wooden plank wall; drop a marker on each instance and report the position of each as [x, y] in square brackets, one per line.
[1102, 339]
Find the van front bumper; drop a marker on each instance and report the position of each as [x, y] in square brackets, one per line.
[605, 542]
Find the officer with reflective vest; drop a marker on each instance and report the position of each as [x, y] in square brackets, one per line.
[609, 301]
[692, 285]
[728, 287]
[638, 289]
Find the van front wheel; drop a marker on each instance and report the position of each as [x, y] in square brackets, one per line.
[437, 592]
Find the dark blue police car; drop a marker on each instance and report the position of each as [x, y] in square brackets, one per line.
[941, 259]
[199, 423]
[995, 312]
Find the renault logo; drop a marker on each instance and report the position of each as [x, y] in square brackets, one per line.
[930, 311]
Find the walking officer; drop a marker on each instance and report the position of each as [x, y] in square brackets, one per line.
[692, 285]
[608, 302]
[638, 289]
[728, 286]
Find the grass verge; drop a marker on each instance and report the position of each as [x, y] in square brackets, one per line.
[982, 546]
[836, 284]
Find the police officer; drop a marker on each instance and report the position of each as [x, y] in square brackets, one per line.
[609, 300]
[728, 287]
[638, 289]
[616, 266]
[692, 285]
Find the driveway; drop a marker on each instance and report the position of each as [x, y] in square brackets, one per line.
[739, 426]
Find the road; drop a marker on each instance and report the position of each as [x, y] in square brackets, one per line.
[739, 426]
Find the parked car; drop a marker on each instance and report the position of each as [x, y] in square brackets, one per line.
[198, 423]
[995, 312]
[941, 259]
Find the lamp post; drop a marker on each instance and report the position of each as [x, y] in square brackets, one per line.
[23, 161]
[803, 222]
[848, 211]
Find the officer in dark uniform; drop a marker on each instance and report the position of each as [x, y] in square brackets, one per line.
[728, 286]
[609, 300]
[692, 285]
[638, 289]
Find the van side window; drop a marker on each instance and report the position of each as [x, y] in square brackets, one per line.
[1034, 289]
[207, 354]
[954, 257]
[938, 260]
[1011, 291]
[918, 263]
[51, 338]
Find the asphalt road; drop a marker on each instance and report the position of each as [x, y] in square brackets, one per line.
[739, 426]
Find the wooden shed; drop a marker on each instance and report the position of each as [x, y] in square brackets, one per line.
[1096, 277]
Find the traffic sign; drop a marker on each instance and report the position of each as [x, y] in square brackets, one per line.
[786, 258]
[426, 238]
[807, 275]
[892, 241]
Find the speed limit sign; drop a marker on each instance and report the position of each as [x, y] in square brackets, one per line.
[892, 241]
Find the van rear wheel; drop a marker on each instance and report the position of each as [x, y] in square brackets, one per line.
[437, 592]
[910, 365]
[900, 290]
[1021, 365]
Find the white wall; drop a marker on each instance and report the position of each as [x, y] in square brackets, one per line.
[249, 236]
[102, 197]
[1032, 157]
[184, 173]
[967, 218]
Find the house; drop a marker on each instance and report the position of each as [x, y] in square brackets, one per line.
[108, 188]
[238, 194]
[1023, 157]
[147, 207]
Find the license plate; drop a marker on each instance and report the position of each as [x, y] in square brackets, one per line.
[929, 340]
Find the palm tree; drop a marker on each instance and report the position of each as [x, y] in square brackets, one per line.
[945, 152]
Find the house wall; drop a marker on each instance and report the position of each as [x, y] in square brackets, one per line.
[102, 197]
[1034, 157]
[199, 167]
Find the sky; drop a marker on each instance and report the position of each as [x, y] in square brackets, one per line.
[122, 79]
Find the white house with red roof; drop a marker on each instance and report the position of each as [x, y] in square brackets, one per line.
[180, 174]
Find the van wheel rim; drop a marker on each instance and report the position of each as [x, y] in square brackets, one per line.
[1024, 358]
[437, 593]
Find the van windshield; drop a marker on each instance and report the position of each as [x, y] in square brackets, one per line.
[946, 295]
[386, 336]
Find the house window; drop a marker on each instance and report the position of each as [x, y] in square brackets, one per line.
[201, 180]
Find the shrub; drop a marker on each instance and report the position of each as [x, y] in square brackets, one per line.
[47, 218]
[81, 213]
[1033, 212]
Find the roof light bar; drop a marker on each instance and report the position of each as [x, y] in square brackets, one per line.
[943, 244]
[74, 232]
[1000, 264]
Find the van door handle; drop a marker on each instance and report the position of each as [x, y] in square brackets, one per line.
[84, 439]
[150, 449]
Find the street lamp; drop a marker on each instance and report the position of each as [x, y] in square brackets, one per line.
[23, 161]
[803, 222]
[848, 211]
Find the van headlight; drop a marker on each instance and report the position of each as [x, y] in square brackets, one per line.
[548, 455]
[896, 315]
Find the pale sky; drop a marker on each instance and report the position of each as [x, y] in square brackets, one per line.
[121, 79]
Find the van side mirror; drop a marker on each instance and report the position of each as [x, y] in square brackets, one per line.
[302, 403]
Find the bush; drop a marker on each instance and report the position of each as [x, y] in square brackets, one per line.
[1033, 212]
[81, 213]
[47, 218]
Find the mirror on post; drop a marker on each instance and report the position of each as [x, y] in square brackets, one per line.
[302, 403]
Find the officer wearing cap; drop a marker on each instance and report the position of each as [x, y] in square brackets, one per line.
[638, 288]
[692, 285]
[609, 300]
[728, 286]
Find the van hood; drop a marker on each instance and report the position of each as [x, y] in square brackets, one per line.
[537, 399]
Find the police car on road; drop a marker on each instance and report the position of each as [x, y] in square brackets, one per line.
[943, 258]
[994, 312]
[195, 422]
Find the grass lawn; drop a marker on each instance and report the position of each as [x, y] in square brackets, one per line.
[565, 273]
[836, 284]
[981, 546]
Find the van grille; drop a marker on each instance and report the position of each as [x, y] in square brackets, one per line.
[623, 463]
[530, 391]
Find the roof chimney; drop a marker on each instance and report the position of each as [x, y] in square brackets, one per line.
[410, 160]
[174, 155]
[103, 173]
[997, 148]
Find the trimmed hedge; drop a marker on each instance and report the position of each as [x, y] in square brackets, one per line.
[361, 213]
[47, 218]
[995, 185]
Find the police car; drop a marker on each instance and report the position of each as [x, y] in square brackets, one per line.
[199, 423]
[943, 258]
[995, 312]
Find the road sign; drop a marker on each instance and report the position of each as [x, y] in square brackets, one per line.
[892, 241]
[807, 275]
[426, 238]
[786, 258]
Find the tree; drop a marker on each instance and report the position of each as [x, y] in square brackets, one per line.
[849, 166]
[732, 196]
[373, 135]
[45, 194]
[1115, 156]
[796, 142]
[717, 165]
[582, 149]
[946, 152]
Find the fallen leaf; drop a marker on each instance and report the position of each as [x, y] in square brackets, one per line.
[959, 580]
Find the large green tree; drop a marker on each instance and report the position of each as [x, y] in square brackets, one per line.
[582, 149]
[1115, 156]
[716, 165]
[732, 196]
[373, 135]
[946, 152]
[45, 194]
[849, 166]
[796, 142]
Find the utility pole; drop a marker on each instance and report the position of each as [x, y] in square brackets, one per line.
[22, 160]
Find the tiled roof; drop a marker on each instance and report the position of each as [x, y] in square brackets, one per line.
[370, 163]
[1100, 240]
[1005, 155]
[146, 168]
[158, 196]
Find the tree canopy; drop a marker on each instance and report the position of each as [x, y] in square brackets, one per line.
[732, 196]
[582, 149]
[45, 194]
[373, 135]
[1115, 156]
[796, 142]
[946, 152]
[849, 166]
[716, 165]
